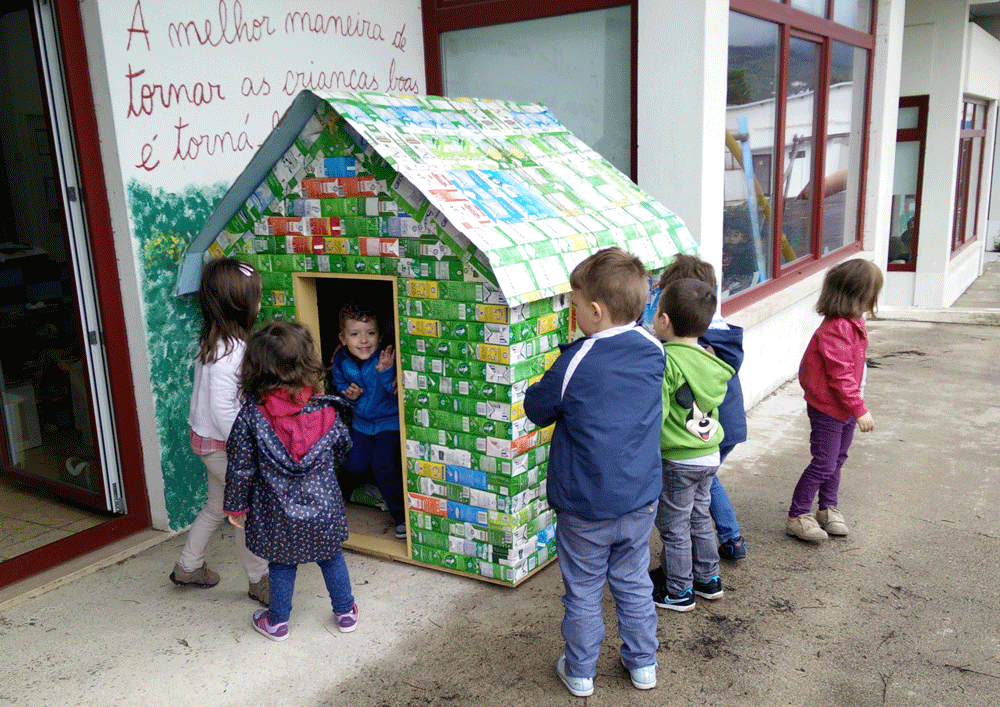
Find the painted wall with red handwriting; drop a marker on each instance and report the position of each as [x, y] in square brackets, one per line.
[195, 87]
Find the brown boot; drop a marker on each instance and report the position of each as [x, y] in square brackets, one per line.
[261, 590]
[201, 577]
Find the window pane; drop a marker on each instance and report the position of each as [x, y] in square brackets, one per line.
[578, 65]
[975, 178]
[909, 117]
[815, 7]
[853, 13]
[749, 157]
[961, 184]
[845, 120]
[800, 129]
[904, 201]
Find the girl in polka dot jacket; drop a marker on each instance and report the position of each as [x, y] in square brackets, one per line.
[281, 482]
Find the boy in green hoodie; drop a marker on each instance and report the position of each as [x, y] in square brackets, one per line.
[694, 384]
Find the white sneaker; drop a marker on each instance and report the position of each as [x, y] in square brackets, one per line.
[578, 687]
[805, 527]
[832, 521]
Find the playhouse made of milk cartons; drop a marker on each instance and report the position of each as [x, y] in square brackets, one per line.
[469, 214]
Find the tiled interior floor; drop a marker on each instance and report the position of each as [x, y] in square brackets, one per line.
[30, 518]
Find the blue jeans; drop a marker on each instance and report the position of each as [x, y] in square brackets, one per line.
[721, 508]
[381, 453]
[338, 584]
[682, 517]
[829, 440]
[617, 551]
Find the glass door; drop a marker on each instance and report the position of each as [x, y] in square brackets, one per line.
[58, 432]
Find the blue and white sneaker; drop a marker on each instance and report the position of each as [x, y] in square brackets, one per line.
[675, 602]
[579, 687]
[643, 678]
[712, 589]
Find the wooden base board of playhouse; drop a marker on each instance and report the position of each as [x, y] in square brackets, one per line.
[372, 533]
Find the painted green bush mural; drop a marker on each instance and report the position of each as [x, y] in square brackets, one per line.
[164, 223]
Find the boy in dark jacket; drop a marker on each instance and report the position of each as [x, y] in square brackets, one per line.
[694, 385]
[365, 373]
[725, 341]
[603, 394]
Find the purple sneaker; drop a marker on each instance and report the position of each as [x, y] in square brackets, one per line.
[349, 621]
[276, 632]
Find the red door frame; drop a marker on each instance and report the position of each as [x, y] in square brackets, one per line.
[98, 212]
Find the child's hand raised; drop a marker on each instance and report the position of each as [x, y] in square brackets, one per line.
[386, 359]
[353, 393]
[866, 423]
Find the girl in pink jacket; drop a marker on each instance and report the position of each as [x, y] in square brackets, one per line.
[832, 374]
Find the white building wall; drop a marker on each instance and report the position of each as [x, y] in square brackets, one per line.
[681, 104]
[934, 59]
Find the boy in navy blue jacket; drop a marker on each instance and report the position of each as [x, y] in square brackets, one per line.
[604, 469]
[365, 373]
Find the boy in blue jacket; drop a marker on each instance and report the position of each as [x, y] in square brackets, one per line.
[604, 472]
[725, 341]
[365, 374]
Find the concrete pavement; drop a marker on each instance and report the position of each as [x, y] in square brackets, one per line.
[901, 612]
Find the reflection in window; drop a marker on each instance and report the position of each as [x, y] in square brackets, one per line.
[904, 202]
[578, 65]
[911, 131]
[753, 69]
[800, 129]
[795, 114]
[842, 159]
[853, 13]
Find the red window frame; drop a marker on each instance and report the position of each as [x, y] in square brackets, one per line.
[962, 206]
[447, 15]
[798, 23]
[915, 134]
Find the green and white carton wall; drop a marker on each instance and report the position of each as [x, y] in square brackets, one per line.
[479, 209]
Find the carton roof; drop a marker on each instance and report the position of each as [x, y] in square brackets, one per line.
[512, 191]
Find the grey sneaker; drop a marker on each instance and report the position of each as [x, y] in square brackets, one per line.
[805, 527]
[832, 521]
[261, 590]
[201, 577]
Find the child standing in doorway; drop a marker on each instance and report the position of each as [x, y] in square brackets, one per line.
[832, 374]
[283, 452]
[365, 373]
[229, 296]
[603, 394]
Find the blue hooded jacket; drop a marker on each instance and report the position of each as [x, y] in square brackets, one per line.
[728, 345]
[377, 409]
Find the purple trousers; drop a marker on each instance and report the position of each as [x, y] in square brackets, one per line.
[829, 441]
